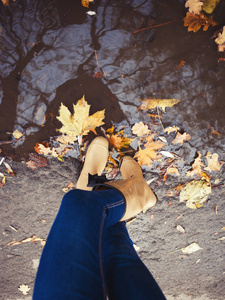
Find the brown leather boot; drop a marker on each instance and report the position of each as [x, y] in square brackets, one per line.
[95, 161]
[138, 195]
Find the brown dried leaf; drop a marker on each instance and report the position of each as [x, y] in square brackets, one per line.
[213, 163]
[36, 161]
[195, 6]
[161, 103]
[180, 138]
[196, 167]
[195, 22]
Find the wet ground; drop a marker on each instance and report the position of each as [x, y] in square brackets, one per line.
[48, 57]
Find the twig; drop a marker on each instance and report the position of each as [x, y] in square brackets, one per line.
[100, 68]
[154, 26]
[160, 118]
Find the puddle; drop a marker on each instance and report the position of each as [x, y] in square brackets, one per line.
[48, 57]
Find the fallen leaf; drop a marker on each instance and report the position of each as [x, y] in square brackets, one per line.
[196, 167]
[191, 248]
[149, 154]
[9, 169]
[70, 185]
[181, 229]
[91, 13]
[195, 22]
[6, 2]
[221, 40]
[85, 3]
[167, 154]
[66, 139]
[210, 5]
[24, 289]
[98, 75]
[118, 140]
[33, 239]
[221, 239]
[80, 123]
[140, 129]
[136, 247]
[152, 217]
[170, 203]
[181, 64]
[213, 163]
[36, 161]
[161, 103]
[195, 6]
[17, 134]
[180, 138]
[171, 129]
[223, 228]
[163, 139]
[195, 193]
[213, 130]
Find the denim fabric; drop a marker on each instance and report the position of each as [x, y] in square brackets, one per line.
[89, 255]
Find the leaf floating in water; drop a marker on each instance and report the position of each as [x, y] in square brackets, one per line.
[161, 103]
[195, 22]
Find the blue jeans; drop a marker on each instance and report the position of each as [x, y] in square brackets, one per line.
[89, 255]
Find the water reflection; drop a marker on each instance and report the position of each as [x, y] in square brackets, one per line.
[48, 58]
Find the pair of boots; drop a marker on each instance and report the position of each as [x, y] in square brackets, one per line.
[136, 192]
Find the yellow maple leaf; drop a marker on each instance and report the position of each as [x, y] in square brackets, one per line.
[161, 103]
[195, 22]
[195, 193]
[171, 129]
[196, 167]
[213, 163]
[195, 6]
[80, 123]
[149, 154]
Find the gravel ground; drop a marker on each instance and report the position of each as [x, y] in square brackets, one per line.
[30, 201]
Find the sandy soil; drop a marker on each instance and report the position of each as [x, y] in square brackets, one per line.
[30, 201]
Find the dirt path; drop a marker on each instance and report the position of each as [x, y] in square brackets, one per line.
[30, 201]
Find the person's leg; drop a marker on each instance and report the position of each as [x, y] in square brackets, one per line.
[125, 274]
[70, 266]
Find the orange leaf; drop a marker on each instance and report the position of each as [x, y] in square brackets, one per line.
[180, 138]
[195, 22]
[196, 167]
[149, 154]
[181, 64]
